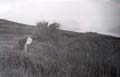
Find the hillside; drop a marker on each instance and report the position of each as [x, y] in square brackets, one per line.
[58, 53]
[11, 32]
[9, 27]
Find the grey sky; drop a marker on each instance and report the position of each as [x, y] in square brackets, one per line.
[76, 15]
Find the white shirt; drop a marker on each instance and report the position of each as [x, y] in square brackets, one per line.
[29, 41]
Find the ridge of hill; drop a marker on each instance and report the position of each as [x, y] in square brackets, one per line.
[10, 27]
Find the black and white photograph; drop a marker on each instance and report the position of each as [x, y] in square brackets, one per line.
[59, 38]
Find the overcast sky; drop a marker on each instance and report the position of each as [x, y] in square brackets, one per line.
[77, 15]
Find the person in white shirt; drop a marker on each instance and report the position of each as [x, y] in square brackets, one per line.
[27, 44]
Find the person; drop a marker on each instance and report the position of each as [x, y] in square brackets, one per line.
[27, 44]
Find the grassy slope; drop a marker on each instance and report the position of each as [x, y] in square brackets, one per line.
[10, 32]
[9, 27]
[54, 60]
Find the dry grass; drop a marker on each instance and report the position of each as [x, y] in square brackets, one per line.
[63, 54]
